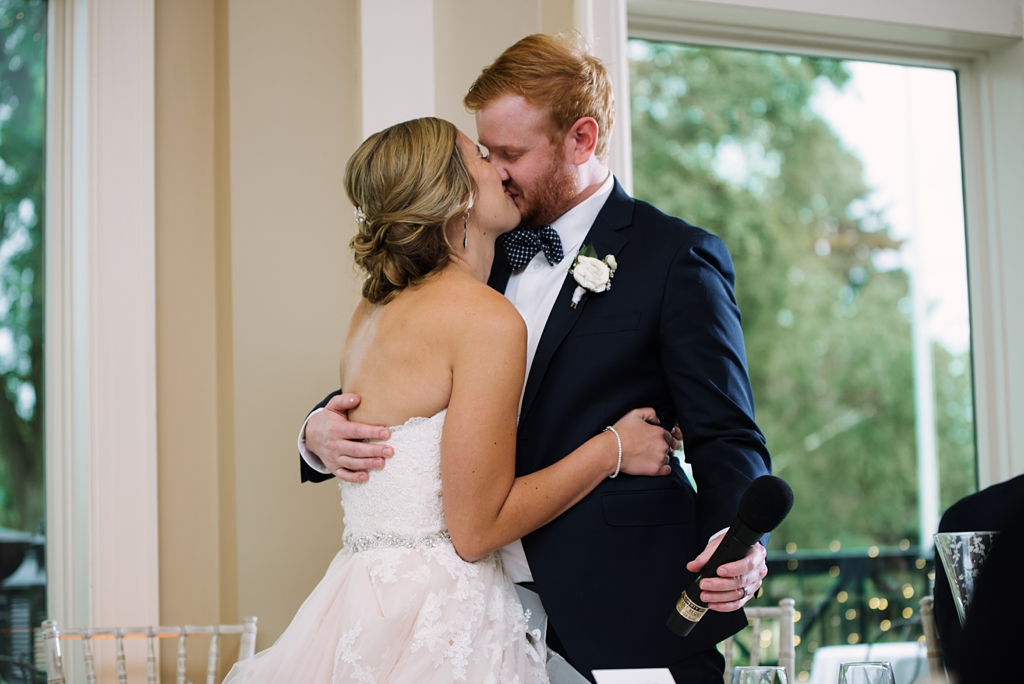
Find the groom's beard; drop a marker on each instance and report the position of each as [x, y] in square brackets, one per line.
[552, 197]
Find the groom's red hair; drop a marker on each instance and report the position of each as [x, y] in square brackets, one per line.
[557, 73]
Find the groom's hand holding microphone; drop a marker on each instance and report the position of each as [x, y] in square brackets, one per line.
[732, 566]
[734, 583]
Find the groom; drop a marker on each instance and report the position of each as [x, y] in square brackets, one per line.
[666, 335]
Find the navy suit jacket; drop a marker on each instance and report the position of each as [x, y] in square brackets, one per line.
[667, 335]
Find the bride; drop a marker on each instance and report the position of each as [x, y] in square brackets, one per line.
[417, 592]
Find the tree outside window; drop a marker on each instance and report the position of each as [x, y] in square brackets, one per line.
[22, 179]
[736, 142]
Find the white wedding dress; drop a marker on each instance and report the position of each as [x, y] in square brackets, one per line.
[397, 603]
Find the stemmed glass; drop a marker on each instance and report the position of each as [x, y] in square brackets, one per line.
[962, 555]
[866, 673]
[759, 675]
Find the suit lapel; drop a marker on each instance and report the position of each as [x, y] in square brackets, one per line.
[616, 214]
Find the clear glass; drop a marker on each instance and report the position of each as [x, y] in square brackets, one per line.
[866, 673]
[759, 675]
[962, 555]
[22, 179]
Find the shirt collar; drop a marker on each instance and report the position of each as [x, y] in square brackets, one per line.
[573, 225]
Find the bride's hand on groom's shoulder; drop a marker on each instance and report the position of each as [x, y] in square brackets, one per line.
[339, 442]
[646, 446]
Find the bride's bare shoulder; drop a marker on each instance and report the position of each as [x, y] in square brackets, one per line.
[475, 309]
[363, 313]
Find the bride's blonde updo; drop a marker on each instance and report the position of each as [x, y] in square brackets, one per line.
[406, 182]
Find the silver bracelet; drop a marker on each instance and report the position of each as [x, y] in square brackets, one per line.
[618, 466]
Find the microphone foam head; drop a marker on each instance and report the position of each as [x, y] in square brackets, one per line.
[766, 503]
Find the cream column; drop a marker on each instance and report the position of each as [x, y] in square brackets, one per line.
[603, 22]
[397, 69]
[293, 123]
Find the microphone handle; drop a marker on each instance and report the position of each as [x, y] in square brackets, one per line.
[690, 608]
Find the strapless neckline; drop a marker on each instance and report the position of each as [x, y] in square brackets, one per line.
[417, 420]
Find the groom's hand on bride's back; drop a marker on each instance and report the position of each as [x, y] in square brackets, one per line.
[338, 442]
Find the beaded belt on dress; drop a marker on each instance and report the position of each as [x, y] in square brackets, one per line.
[381, 540]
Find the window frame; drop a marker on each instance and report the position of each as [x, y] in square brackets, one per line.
[987, 60]
[100, 332]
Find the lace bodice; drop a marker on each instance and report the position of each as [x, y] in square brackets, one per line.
[402, 501]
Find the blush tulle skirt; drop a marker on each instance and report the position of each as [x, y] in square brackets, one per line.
[404, 615]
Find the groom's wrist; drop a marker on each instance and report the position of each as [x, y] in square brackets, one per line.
[311, 459]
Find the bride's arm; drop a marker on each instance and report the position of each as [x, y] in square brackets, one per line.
[486, 506]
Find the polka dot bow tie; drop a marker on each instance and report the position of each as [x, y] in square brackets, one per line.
[522, 244]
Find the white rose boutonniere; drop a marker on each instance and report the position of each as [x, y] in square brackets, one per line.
[590, 273]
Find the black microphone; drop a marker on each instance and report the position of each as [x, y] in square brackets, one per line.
[764, 505]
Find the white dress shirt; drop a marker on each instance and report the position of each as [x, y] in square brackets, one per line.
[533, 291]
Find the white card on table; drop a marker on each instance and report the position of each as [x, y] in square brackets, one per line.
[653, 675]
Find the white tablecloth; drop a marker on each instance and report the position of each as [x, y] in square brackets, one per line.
[908, 658]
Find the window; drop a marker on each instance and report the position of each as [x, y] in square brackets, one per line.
[836, 186]
[22, 491]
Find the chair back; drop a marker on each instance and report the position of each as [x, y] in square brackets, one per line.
[785, 613]
[936, 668]
[52, 638]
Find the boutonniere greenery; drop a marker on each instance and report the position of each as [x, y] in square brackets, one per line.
[591, 273]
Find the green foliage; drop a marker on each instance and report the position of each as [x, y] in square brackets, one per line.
[22, 135]
[727, 140]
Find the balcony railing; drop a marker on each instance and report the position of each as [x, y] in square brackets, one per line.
[844, 597]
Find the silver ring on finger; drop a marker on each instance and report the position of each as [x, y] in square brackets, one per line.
[745, 593]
